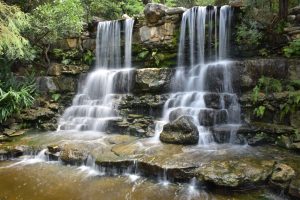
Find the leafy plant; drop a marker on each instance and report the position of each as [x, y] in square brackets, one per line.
[260, 111]
[88, 57]
[12, 101]
[53, 21]
[291, 105]
[12, 22]
[67, 57]
[55, 96]
[249, 35]
[293, 49]
[269, 85]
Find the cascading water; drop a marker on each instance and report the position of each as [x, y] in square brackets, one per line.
[94, 104]
[202, 88]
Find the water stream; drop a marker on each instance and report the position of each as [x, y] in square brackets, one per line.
[200, 79]
[94, 105]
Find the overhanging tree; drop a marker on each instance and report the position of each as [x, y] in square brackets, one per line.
[53, 21]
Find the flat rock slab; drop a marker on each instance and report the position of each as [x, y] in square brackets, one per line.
[224, 165]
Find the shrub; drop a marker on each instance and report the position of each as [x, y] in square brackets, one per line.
[293, 50]
[249, 35]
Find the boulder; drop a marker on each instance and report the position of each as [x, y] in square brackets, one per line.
[154, 12]
[157, 34]
[181, 131]
[46, 84]
[235, 173]
[207, 117]
[72, 155]
[212, 100]
[282, 175]
[152, 80]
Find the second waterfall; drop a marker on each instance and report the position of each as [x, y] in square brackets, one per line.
[94, 104]
[202, 89]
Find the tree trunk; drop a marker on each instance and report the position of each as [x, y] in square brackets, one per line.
[46, 54]
[283, 9]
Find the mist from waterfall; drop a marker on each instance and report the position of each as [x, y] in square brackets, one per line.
[94, 105]
[203, 75]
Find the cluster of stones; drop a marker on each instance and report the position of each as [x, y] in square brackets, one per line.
[294, 17]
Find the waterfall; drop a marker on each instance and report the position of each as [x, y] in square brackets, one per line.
[94, 105]
[198, 80]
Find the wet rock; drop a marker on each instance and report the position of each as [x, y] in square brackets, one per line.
[235, 173]
[272, 128]
[284, 141]
[221, 116]
[14, 132]
[152, 80]
[294, 189]
[54, 149]
[260, 139]
[281, 176]
[212, 100]
[154, 12]
[175, 114]
[181, 131]
[228, 133]
[206, 117]
[150, 105]
[72, 155]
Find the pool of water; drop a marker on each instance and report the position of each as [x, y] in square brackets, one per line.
[52, 180]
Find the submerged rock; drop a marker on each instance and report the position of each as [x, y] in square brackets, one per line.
[235, 173]
[181, 131]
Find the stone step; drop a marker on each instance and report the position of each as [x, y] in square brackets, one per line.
[230, 133]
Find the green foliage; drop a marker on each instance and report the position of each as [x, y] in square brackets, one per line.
[88, 57]
[15, 93]
[293, 49]
[55, 97]
[255, 93]
[112, 9]
[260, 111]
[291, 105]
[266, 85]
[55, 20]
[67, 57]
[249, 35]
[190, 3]
[269, 85]
[12, 101]
[12, 22]
[264, 52]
